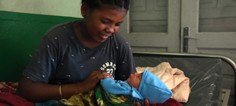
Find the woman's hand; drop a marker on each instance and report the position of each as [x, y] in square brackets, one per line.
[146, 103]
[91, 81]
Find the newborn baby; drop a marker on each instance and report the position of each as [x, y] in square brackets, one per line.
[139, 86]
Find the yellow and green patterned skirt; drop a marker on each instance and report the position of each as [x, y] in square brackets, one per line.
[98, 97]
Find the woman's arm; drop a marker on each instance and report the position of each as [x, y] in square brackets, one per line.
[37, 91]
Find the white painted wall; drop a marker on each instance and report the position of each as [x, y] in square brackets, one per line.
[70, 8]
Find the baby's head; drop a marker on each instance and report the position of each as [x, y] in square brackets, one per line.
[135, 79]
[150, 86]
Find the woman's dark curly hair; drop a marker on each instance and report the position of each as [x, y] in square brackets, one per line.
[93, 4]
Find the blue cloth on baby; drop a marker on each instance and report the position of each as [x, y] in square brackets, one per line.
[151, 87]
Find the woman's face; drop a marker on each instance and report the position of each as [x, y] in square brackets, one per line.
[101, 23]
[135, 79]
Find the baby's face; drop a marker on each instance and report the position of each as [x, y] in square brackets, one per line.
[135, 79]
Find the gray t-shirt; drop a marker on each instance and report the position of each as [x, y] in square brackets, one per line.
[61, 58]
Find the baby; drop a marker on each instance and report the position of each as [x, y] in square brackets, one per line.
[139, 86]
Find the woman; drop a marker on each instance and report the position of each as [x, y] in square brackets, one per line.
[72, 55]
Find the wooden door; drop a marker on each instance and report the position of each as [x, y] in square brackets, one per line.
[209, 26]
[153, 26]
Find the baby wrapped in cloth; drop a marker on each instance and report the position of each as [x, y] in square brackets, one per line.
[125, 94]
[150, 87]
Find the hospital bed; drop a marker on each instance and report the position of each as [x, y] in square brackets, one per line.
[212, 77]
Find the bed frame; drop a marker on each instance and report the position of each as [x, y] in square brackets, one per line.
[212, 77]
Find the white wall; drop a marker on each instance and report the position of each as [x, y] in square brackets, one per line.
[70, 8]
